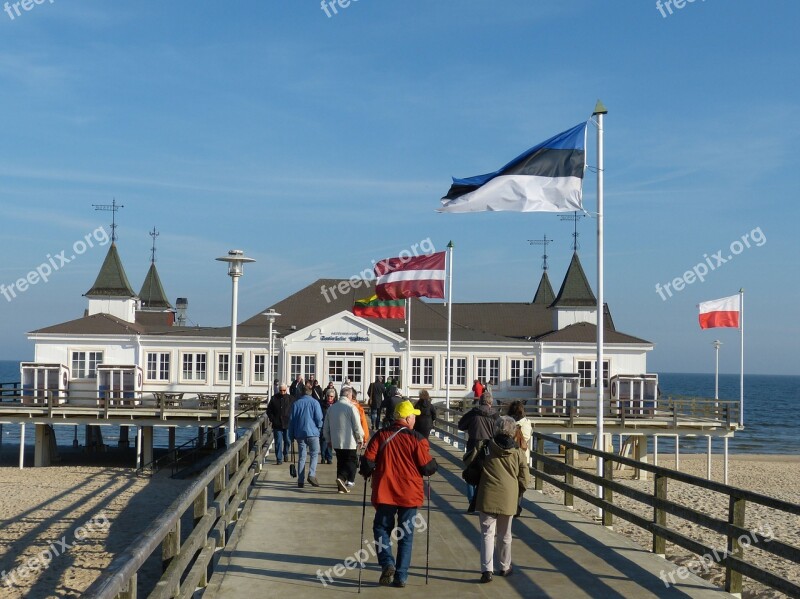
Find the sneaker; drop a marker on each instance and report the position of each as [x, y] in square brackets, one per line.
[386, 576]
[486, 577]
[313, 481]
[508, 572]
[278, 462]
[400, 584]
[300, 485]
[342, 486]
[351, 484]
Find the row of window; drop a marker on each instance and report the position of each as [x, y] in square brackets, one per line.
[340, 366]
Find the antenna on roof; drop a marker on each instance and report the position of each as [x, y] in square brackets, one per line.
[112, 207]
[574, 217]
[543, 242]
[153, 234]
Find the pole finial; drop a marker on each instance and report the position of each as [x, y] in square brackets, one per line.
[450, 244]
[599, 108]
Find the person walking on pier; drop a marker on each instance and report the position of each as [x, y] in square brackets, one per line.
[305, 424]
[425, 420]
[479, 424]
[397, 458]
[342, 430]
[375, 396]
[325, 447]
[503, 477]
[278, 411]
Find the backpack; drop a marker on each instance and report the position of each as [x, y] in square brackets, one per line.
[474, 461]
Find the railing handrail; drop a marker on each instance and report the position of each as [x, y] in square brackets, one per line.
[128, 563]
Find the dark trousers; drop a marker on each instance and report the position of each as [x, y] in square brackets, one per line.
[346, 464]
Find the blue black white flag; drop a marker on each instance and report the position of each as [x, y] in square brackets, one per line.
[546, 178]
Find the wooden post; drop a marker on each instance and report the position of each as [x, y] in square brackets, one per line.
[200, 505]
[608, 494]
[640, 455]
[569, 460]
[130, 590]
[539, 464]
[659, 515]
[733, 579]
[171, 546]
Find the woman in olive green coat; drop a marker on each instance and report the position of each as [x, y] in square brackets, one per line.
[503, 478]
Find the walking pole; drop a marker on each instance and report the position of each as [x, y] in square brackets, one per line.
[428, 533]
[361, 540]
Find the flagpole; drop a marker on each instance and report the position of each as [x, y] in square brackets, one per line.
[448, 370]
[741, 357]
[407, 377]
[600, 111]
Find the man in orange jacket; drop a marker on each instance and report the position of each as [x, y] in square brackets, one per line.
[397, 458]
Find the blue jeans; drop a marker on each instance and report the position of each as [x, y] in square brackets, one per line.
[471, 491]
[375, 415]
[282, 444]
[310, 444]
[326, 450]
[383, 527]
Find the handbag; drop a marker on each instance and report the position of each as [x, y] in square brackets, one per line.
[474, 461]
[519, 439]
[292, 467]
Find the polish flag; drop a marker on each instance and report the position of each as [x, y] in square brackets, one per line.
[722, 312]
[418, 276]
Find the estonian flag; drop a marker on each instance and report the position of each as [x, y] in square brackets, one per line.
[546, 178]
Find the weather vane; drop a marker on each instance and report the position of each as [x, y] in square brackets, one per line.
[543, 242]
[574, 217]
[112, 207]
[153, 234]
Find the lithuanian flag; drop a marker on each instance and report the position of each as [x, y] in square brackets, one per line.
[372, 307]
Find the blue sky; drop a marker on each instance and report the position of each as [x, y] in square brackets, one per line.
[317, 144]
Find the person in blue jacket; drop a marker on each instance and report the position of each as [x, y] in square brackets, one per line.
[305, 424]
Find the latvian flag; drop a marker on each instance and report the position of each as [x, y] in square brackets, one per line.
[720, 313]
[372, 307]
[546, 178]
[420, 276]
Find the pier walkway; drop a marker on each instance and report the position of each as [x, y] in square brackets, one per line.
[290, 536]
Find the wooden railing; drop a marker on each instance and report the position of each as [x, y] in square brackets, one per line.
[187, 564]
[9, 391]
[733, 528]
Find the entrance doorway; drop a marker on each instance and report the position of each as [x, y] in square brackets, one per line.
[346, 365]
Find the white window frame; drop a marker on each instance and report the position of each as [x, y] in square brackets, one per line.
[423, 363]
[194, 363]
[384, 369]
[223, 377]
[511, 380]
[304, 361]
[159, 366]
[86, 372]
[484, 379]
[593, 371]
[455, 360]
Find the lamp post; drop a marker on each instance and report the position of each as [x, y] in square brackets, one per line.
[236, 260]
[716, 345]
[271, 315]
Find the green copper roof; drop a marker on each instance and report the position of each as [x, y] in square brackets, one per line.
[112, 280]
[544, 294]
[575, 290]
[152, 293]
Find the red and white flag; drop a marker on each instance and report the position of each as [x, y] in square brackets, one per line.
[722, 312]
[418, 276]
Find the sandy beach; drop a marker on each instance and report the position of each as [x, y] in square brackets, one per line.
[772, 475]
[77, 518]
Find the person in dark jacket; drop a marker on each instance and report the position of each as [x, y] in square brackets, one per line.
[375, 396]
[424, 422]
[479, 425]
[326, 450]
[278, 410]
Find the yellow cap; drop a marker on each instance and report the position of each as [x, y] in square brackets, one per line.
[405, 409]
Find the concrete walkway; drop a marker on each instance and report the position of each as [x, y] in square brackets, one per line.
[291, 535]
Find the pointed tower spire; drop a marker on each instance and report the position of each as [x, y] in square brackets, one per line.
[544, 293]
[112, 280]
[575, 290]
[152, 294]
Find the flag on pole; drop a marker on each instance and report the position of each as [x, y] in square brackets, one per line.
[418, 276]
[723, 312]
[372, 307]
[546, 178]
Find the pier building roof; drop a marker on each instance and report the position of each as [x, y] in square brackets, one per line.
[112, 280]
[575, 289]
[152, 293]
[544, 293]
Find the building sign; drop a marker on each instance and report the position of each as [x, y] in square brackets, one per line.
[351, 336]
